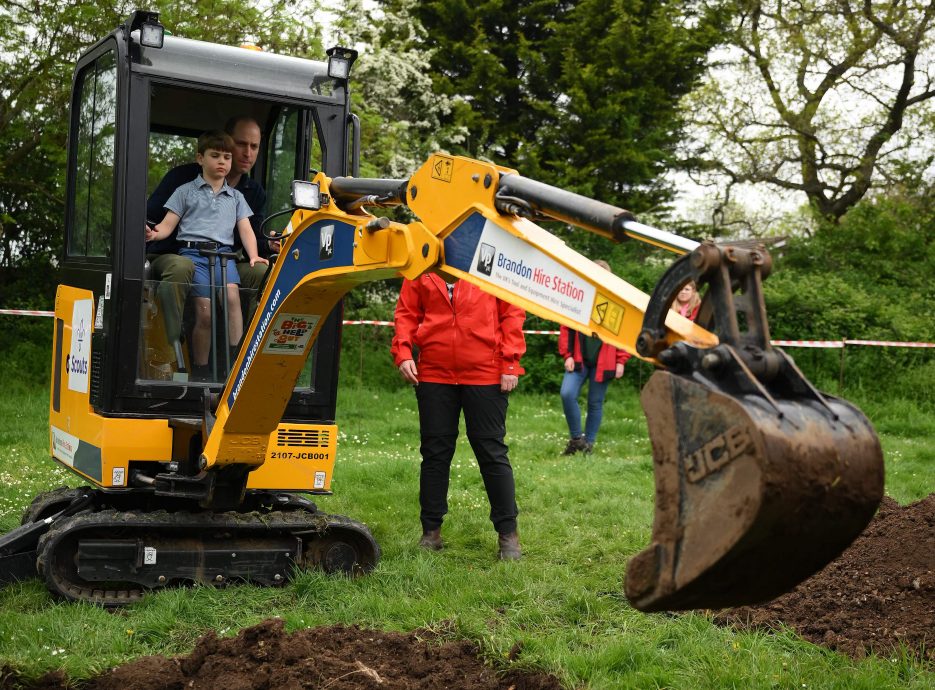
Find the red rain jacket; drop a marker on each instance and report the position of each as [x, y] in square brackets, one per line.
[472, 340]
[608, 357]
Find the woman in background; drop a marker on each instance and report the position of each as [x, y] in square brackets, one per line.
[586, 359]
[688, 301]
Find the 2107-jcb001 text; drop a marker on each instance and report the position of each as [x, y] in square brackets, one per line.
[289, 455]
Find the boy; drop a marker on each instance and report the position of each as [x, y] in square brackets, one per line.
[206, 211]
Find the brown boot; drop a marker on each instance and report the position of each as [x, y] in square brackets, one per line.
[432, 539]
[509, 547]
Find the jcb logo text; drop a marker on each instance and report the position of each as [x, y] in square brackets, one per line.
[716, 453]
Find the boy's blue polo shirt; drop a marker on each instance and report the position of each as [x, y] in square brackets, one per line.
[206, 216]
[252, 191]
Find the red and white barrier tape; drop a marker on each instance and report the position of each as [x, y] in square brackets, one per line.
[887, 343]
[809, 343]
[828, 344]
[26, 312]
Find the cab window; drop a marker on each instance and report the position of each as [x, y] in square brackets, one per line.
[285, 154]
[92, 218]
[282, 161]
[177, 117]
[167, 151]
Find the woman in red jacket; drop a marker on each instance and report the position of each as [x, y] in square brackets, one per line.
[589, 360]
[688, 301]
[469, 346]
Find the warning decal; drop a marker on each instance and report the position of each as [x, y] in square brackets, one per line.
[442, 167]
[607, 314]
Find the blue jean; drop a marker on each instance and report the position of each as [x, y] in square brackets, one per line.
[201, 280]
[572, 383]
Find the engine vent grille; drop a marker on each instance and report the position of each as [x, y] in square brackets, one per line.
[96, 388]
[309, 438]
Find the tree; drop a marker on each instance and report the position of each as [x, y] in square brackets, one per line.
[623, 67]
[489, 56]
[815, 98]
[403, 120]
[39, 44]
[582, 94]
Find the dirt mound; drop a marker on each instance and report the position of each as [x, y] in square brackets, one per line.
[336, 658]
[878, 595]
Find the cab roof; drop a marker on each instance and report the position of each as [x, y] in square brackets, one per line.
[236, 68]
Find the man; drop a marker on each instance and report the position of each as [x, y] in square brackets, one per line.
[469, 344]
[176, 272]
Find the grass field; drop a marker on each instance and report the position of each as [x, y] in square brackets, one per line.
[581, 518]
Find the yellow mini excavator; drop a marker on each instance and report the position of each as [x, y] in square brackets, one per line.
[760, 478]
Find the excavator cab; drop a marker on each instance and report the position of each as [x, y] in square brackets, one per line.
[137, 112]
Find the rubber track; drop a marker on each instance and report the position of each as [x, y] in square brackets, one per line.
[61, 540]
[53, 501]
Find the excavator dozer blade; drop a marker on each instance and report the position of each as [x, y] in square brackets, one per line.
[754, 493]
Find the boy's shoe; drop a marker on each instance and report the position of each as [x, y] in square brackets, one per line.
[588, 447]
[509, 547]
[201, 373]
[432, 539]
[575, 445]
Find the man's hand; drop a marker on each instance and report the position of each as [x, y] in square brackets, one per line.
[569, 364]
[258, 260]
[508, 382]
[619, 371]
[409, 372]
[275, 246]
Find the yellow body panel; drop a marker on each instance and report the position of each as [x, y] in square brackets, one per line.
[566, 288]
[299, 457]
[449, 195]
[241, 431]
[95, 447]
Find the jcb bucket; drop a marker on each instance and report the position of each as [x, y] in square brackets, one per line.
[754, 493]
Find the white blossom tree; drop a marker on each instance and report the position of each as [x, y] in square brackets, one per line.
[822, 98]
[401, 116]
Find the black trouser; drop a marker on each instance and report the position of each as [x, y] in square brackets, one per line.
[484, 407]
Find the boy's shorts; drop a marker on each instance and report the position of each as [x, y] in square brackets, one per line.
[201, 282]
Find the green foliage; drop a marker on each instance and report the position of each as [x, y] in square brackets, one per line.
[867, 278]
[582, 95]
[40, 43]
[365, 348]
[491, 58]
[541, 361]
[26, 347]
[823, 100]
[403, 120]
[623, 65]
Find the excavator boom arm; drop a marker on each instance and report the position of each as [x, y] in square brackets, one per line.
[760, 479]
